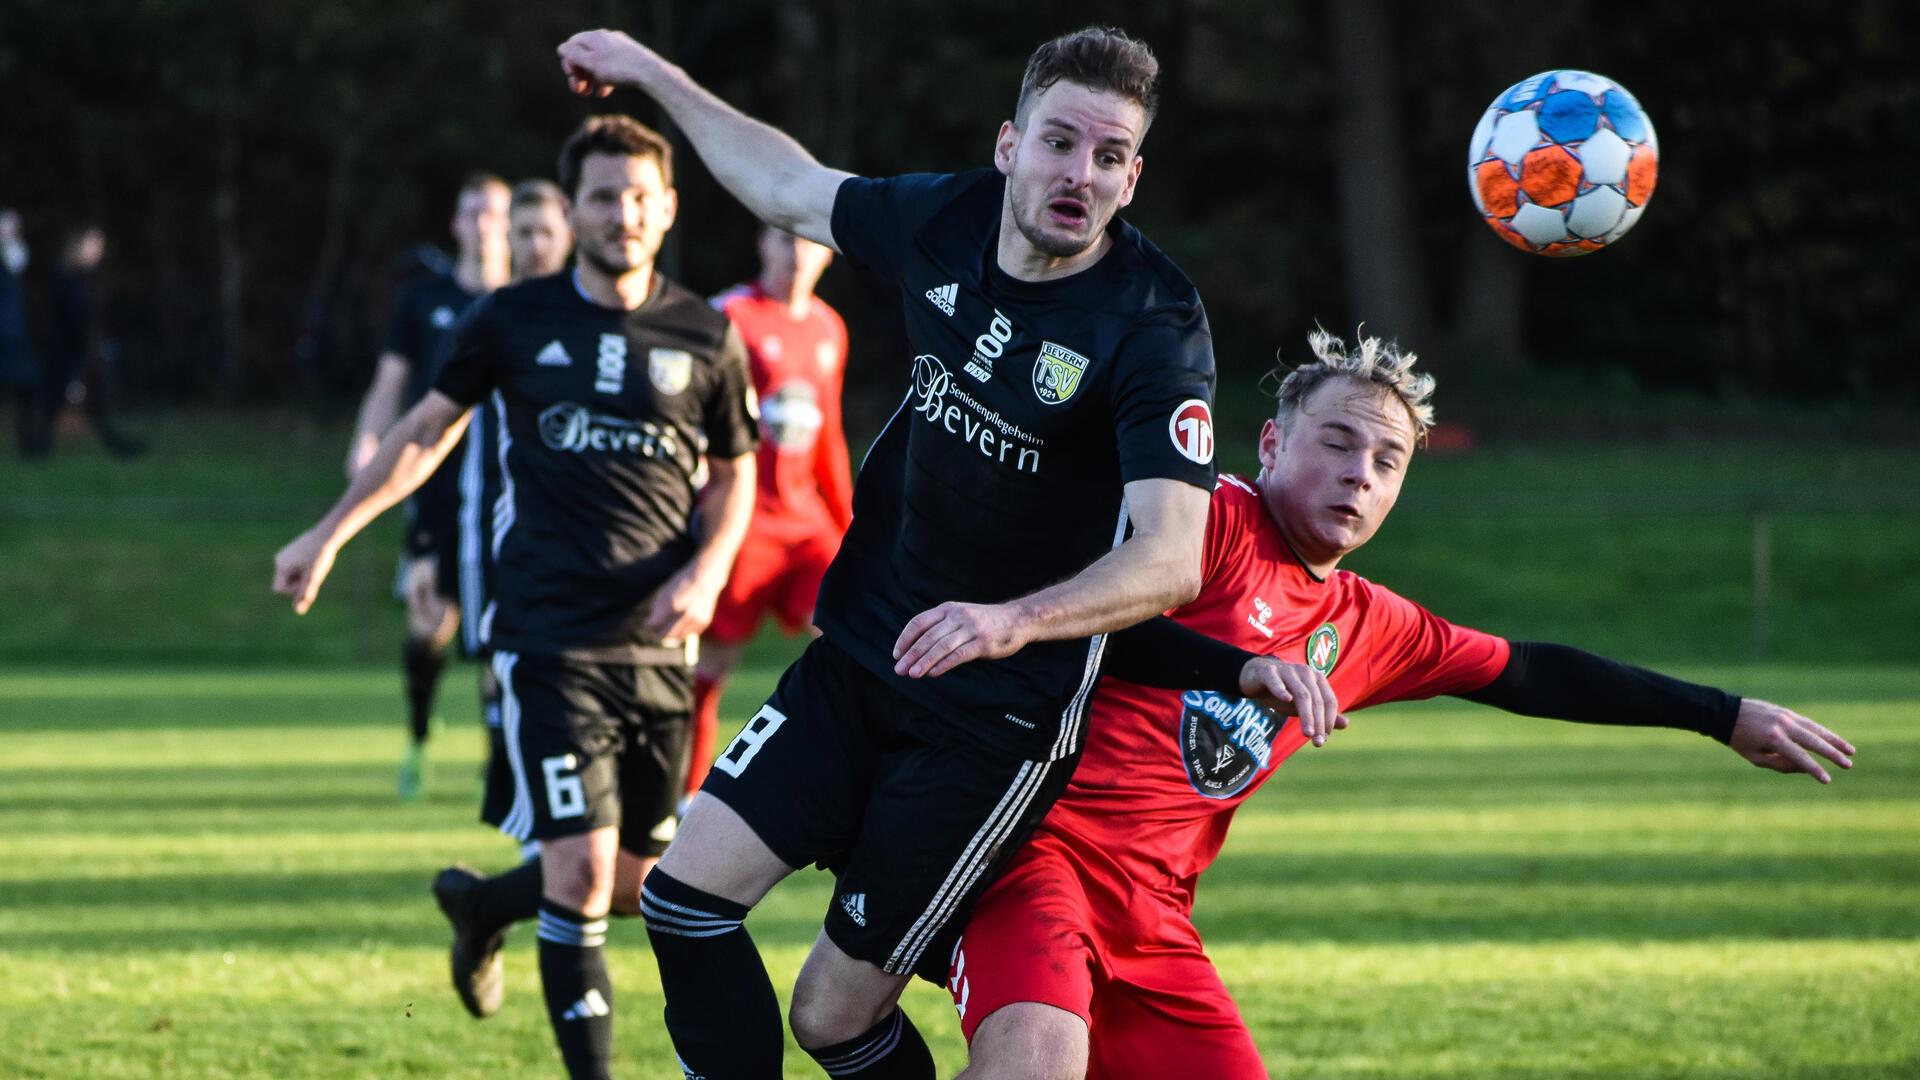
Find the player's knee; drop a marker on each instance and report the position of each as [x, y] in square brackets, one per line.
[1028, 1041]
[575, 878]
[817, 1018]
[831, 1008]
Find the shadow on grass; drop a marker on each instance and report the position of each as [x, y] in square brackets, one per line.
[271, 912]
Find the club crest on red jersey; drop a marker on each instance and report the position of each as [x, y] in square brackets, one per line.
[1323, 649]
[1225, 741]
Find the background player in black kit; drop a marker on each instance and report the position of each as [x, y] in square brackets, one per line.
[604, 382]
[418, 332]
[1060, 389]
[541, 241]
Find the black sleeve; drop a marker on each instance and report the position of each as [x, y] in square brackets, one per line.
[1163, 399]
[470, 366]
[1564, 683]
[874, 220]
[403, 325]
[1163, 653]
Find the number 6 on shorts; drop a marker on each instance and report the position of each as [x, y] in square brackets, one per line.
[748, 742]
[566, 796]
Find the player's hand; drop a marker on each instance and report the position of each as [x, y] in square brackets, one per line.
[1294, 689]
[682, 606]
[1780, 739]
[940, 639]
[300, 567]
[599, 60]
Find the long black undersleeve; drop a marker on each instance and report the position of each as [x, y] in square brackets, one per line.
[1162, 653]
[1563, 683]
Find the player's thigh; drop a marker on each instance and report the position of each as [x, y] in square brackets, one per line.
[653, 758]
[560, 725]
[1022, 976]
[1028, 1041]
[793, 779]
[943, 817]
[1166, 1013]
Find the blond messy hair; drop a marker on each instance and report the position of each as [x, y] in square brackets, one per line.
[1373, 363]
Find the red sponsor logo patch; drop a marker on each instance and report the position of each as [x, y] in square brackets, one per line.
[1191, 428]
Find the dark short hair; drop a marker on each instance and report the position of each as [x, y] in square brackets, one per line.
[622, 136]
[537, 192]
[1099, 58]
[480, 181]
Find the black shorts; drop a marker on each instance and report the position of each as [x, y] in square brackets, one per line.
[839, 770]
[496, 791]
[433, 524]
[593, 745]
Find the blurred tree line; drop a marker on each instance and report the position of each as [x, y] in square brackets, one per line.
[264, 171]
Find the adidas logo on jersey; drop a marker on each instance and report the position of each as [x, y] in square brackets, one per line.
[855, 905]
[588, 1007]
[944, 296]
[554, 355]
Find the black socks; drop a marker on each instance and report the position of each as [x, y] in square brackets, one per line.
[721, 1010]
[573, 975]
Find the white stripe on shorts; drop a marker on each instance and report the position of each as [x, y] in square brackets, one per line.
[519, 820]
[973, 863]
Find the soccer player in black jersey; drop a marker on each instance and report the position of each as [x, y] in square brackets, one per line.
[540, 240]
[423, 316]
[604, 381]
[1043, 483]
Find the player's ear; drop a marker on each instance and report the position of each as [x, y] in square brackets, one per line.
[1272, 438]
[1133, 178]
[672, 199]
[1003, 147]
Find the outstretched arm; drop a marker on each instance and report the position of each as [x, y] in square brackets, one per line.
[762, 166]
[407, 457]
[1157, 568]
[1564, 683]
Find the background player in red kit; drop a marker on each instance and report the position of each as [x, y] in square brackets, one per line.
[1083, 958]
[798, 349]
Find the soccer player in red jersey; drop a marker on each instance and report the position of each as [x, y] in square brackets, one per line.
[798, 349]
[1082, 959]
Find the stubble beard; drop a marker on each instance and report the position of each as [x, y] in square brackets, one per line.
[1054, 246]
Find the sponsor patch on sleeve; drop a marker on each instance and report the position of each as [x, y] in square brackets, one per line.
[1191, 429]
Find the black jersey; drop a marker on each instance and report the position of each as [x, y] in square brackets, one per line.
[420, 328]
[1029, 406]
[600, 415]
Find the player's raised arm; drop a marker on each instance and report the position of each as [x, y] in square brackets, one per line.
[407, 457]
[770, 173]
[1157, 568]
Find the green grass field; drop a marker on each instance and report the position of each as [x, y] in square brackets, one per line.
[204, 872]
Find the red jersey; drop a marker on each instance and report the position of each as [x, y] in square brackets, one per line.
[1163, 772]
[805, 483]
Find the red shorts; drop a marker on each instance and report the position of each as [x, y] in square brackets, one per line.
[1052, 933]
[780, 577]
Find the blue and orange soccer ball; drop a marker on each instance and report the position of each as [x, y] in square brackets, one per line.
[1563, 163]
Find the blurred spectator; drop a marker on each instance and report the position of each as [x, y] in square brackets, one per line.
[79, 360]
[19, 375]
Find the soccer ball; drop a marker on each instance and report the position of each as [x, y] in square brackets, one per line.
[1563, 163]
